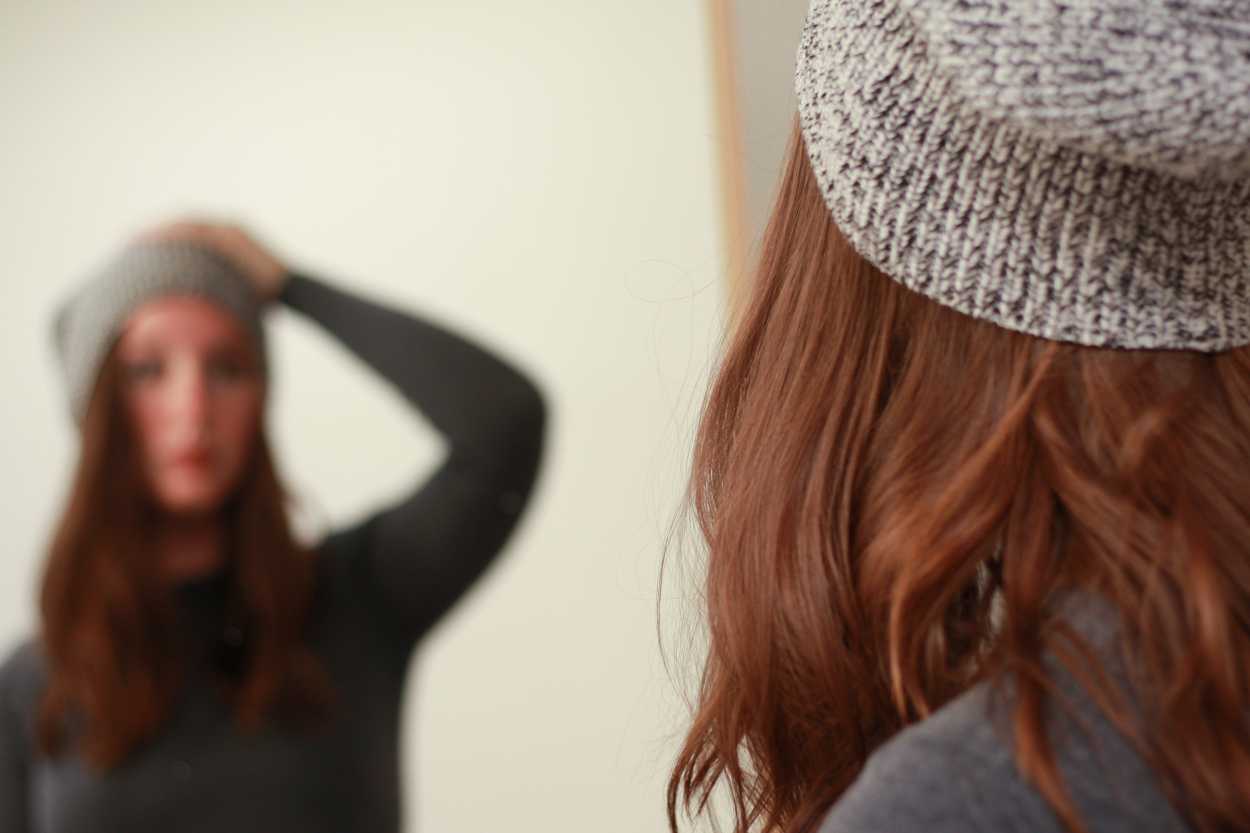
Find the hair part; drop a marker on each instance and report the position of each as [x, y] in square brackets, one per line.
[896, 497]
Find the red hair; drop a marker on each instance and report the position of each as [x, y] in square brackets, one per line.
[893, 497]
[113, 669]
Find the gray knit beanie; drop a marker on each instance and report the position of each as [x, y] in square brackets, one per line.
[88, 324]
[1072, 169]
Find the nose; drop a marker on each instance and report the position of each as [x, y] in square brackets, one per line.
[188, 403]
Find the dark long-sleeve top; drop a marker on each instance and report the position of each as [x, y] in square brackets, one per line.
[955, 771]
[382, 583]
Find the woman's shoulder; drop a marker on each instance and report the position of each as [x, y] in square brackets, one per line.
[22, 660]
[956, 771]
[950, 772]
[22, 675]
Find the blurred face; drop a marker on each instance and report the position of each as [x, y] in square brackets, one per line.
[193, 392]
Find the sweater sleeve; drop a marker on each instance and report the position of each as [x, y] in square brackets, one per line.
[417, 558]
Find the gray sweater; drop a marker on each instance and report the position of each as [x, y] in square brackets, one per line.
[954, 772]
[382, 583]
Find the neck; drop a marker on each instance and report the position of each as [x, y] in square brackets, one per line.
[190, 548]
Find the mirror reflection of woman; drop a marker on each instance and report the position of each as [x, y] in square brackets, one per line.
[197, 669]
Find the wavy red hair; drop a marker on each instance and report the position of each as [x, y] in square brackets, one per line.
[114, 670]
[893, 498]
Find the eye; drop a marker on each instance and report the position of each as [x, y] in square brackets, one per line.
[228, 369]
[143, 370]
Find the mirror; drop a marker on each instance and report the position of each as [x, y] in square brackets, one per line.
[542, 177]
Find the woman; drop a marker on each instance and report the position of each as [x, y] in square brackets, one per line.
[974, 475]
[196, 668]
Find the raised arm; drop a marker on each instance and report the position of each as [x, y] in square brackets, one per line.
[413, 560]
[420, 555]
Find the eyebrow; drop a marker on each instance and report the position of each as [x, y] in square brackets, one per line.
[158, 344]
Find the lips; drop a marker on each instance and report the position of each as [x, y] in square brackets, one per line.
[194, 458]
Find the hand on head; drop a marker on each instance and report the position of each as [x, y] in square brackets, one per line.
[266, 273]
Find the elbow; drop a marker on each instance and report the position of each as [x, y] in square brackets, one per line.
[510, 422]
[527, 417]
[503, 444]
[519, 444]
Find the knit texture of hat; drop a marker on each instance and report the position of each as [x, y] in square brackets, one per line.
[88, 324]
[1076, 170]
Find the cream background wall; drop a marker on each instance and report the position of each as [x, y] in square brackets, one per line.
[766, 36]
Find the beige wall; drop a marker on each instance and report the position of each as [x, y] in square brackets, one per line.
[540, 174]
[766, 36]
